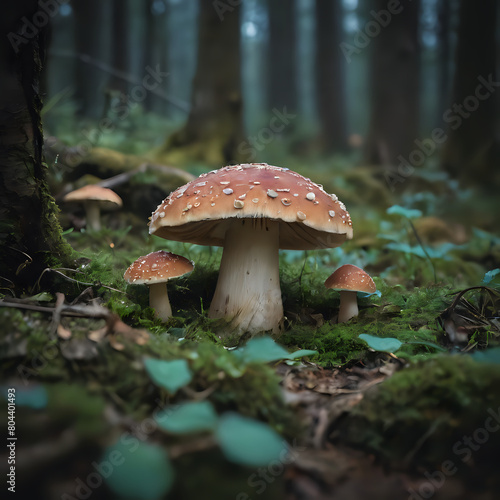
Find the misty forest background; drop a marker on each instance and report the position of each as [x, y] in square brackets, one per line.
[231, 65]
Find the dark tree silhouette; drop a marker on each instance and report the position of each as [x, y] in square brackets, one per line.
[394, 88]
[472, 151]
[282, 56]
[88, 47]
[330, 75]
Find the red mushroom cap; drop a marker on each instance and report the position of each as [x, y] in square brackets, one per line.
[157, 267]
[351, 278]
[201, 211]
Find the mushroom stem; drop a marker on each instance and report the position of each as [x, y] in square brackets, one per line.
[248, 289]
[93, 214]
[348, 305]
[158, 300]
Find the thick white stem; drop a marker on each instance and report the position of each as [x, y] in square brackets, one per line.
[248, 289]
[158, 300]
[93, 214]
[348, 306]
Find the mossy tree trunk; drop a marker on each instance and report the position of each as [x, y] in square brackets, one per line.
[30, 236]
[214, 129]
[472, 151]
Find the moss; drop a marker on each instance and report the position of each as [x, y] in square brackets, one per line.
[417, 417]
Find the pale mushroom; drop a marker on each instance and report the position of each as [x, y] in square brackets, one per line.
[94, 198]
[349, 280]
[252, 210]
[154, 270]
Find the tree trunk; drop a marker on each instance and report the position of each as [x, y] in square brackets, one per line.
[214, 129]
[30, 237]
[89, 46]
[395, 67]
[282, 50]
[472, 152]
[119, 46]
[444, 56]
[330, 75]
[155, 50]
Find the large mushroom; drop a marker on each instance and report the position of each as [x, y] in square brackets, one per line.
[252, 210]
[94, 198]
[350, 280]
[154, 270]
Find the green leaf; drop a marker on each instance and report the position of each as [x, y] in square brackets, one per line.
[32, 397]
[189, 417]
[490, 276]
[409, 213]
[265, 350]
[246, 441]
[133, 469]
[487, 356]
[301, 353]
[387, 344]
[171, 375]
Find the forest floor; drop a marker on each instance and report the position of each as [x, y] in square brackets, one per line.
[112, 403]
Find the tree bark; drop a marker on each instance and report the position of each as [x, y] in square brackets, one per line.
[395, 67]
[214, 129]
[282, 50]
[30, 237]
[330, 76]
[472, 151]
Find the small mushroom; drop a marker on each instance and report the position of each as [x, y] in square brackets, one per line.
[154, 270]
[349, 280]
[94, 199]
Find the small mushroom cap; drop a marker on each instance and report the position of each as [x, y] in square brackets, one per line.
[106, 197]
[201, 211]
[351, 278]
[157, 267]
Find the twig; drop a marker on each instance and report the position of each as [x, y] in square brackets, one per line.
[48, 269]
[423, 249]
[92, 311]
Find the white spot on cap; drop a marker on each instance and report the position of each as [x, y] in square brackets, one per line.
[256, 183]
[256, 200]
[239, 204]
[272, 194]
[227, 191]
[243, 196]
[301, 215]
[286, 201]
[224, 183]
[161, 214]
[331, 213]
[310, 196]
[200, 184]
